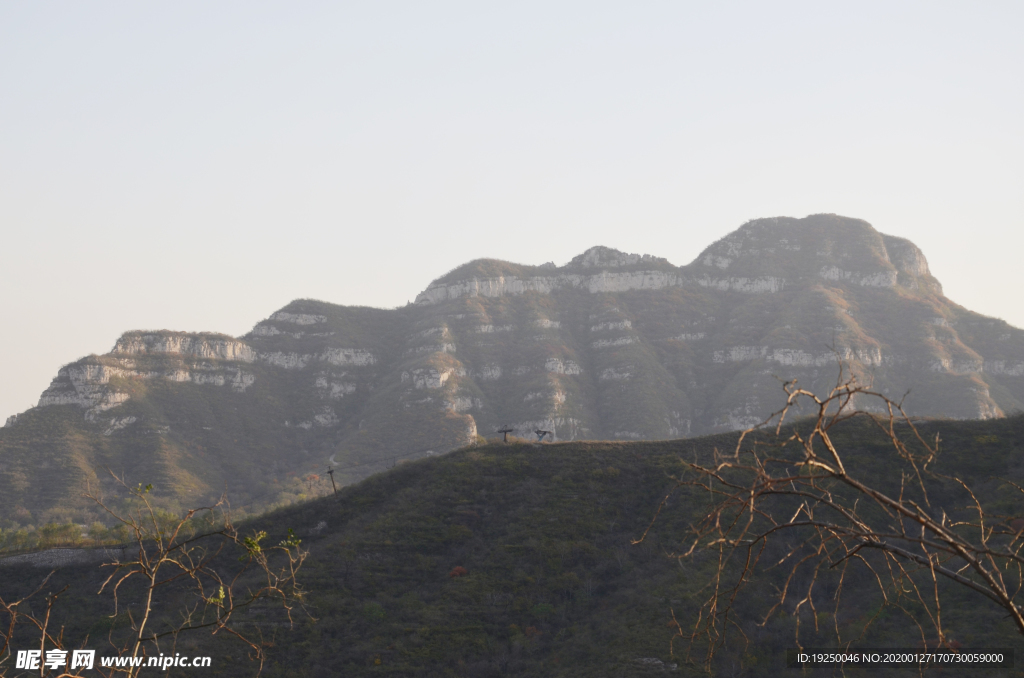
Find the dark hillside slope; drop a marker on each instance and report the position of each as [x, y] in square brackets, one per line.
[552, 584]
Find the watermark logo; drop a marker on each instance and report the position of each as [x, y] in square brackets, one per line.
[54, 659]
[32, 660]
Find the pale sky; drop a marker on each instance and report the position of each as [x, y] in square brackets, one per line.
[196, 165]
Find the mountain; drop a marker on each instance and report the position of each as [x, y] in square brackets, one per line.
[609, 346]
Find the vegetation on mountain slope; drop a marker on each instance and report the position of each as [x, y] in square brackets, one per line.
[517, 560]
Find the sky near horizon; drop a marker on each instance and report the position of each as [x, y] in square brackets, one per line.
[195, 166]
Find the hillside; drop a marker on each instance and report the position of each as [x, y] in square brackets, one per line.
[552, 584]
[609, 346]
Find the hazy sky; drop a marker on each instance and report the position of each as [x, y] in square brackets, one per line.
[197, 165]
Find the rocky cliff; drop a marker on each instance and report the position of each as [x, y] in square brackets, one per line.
[609, 346]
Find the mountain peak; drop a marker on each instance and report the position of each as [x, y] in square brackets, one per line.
[826, 246]
[607, 257]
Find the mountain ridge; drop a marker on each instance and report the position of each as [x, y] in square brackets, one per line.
[610, 345]
[488, 277]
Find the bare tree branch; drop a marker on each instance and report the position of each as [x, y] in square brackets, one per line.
[791, 486]
[187, 560]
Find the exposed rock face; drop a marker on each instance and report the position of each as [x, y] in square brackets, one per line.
[611, 345]
[85, 385]
[299, 318]
[199, 346]
[605, 281]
